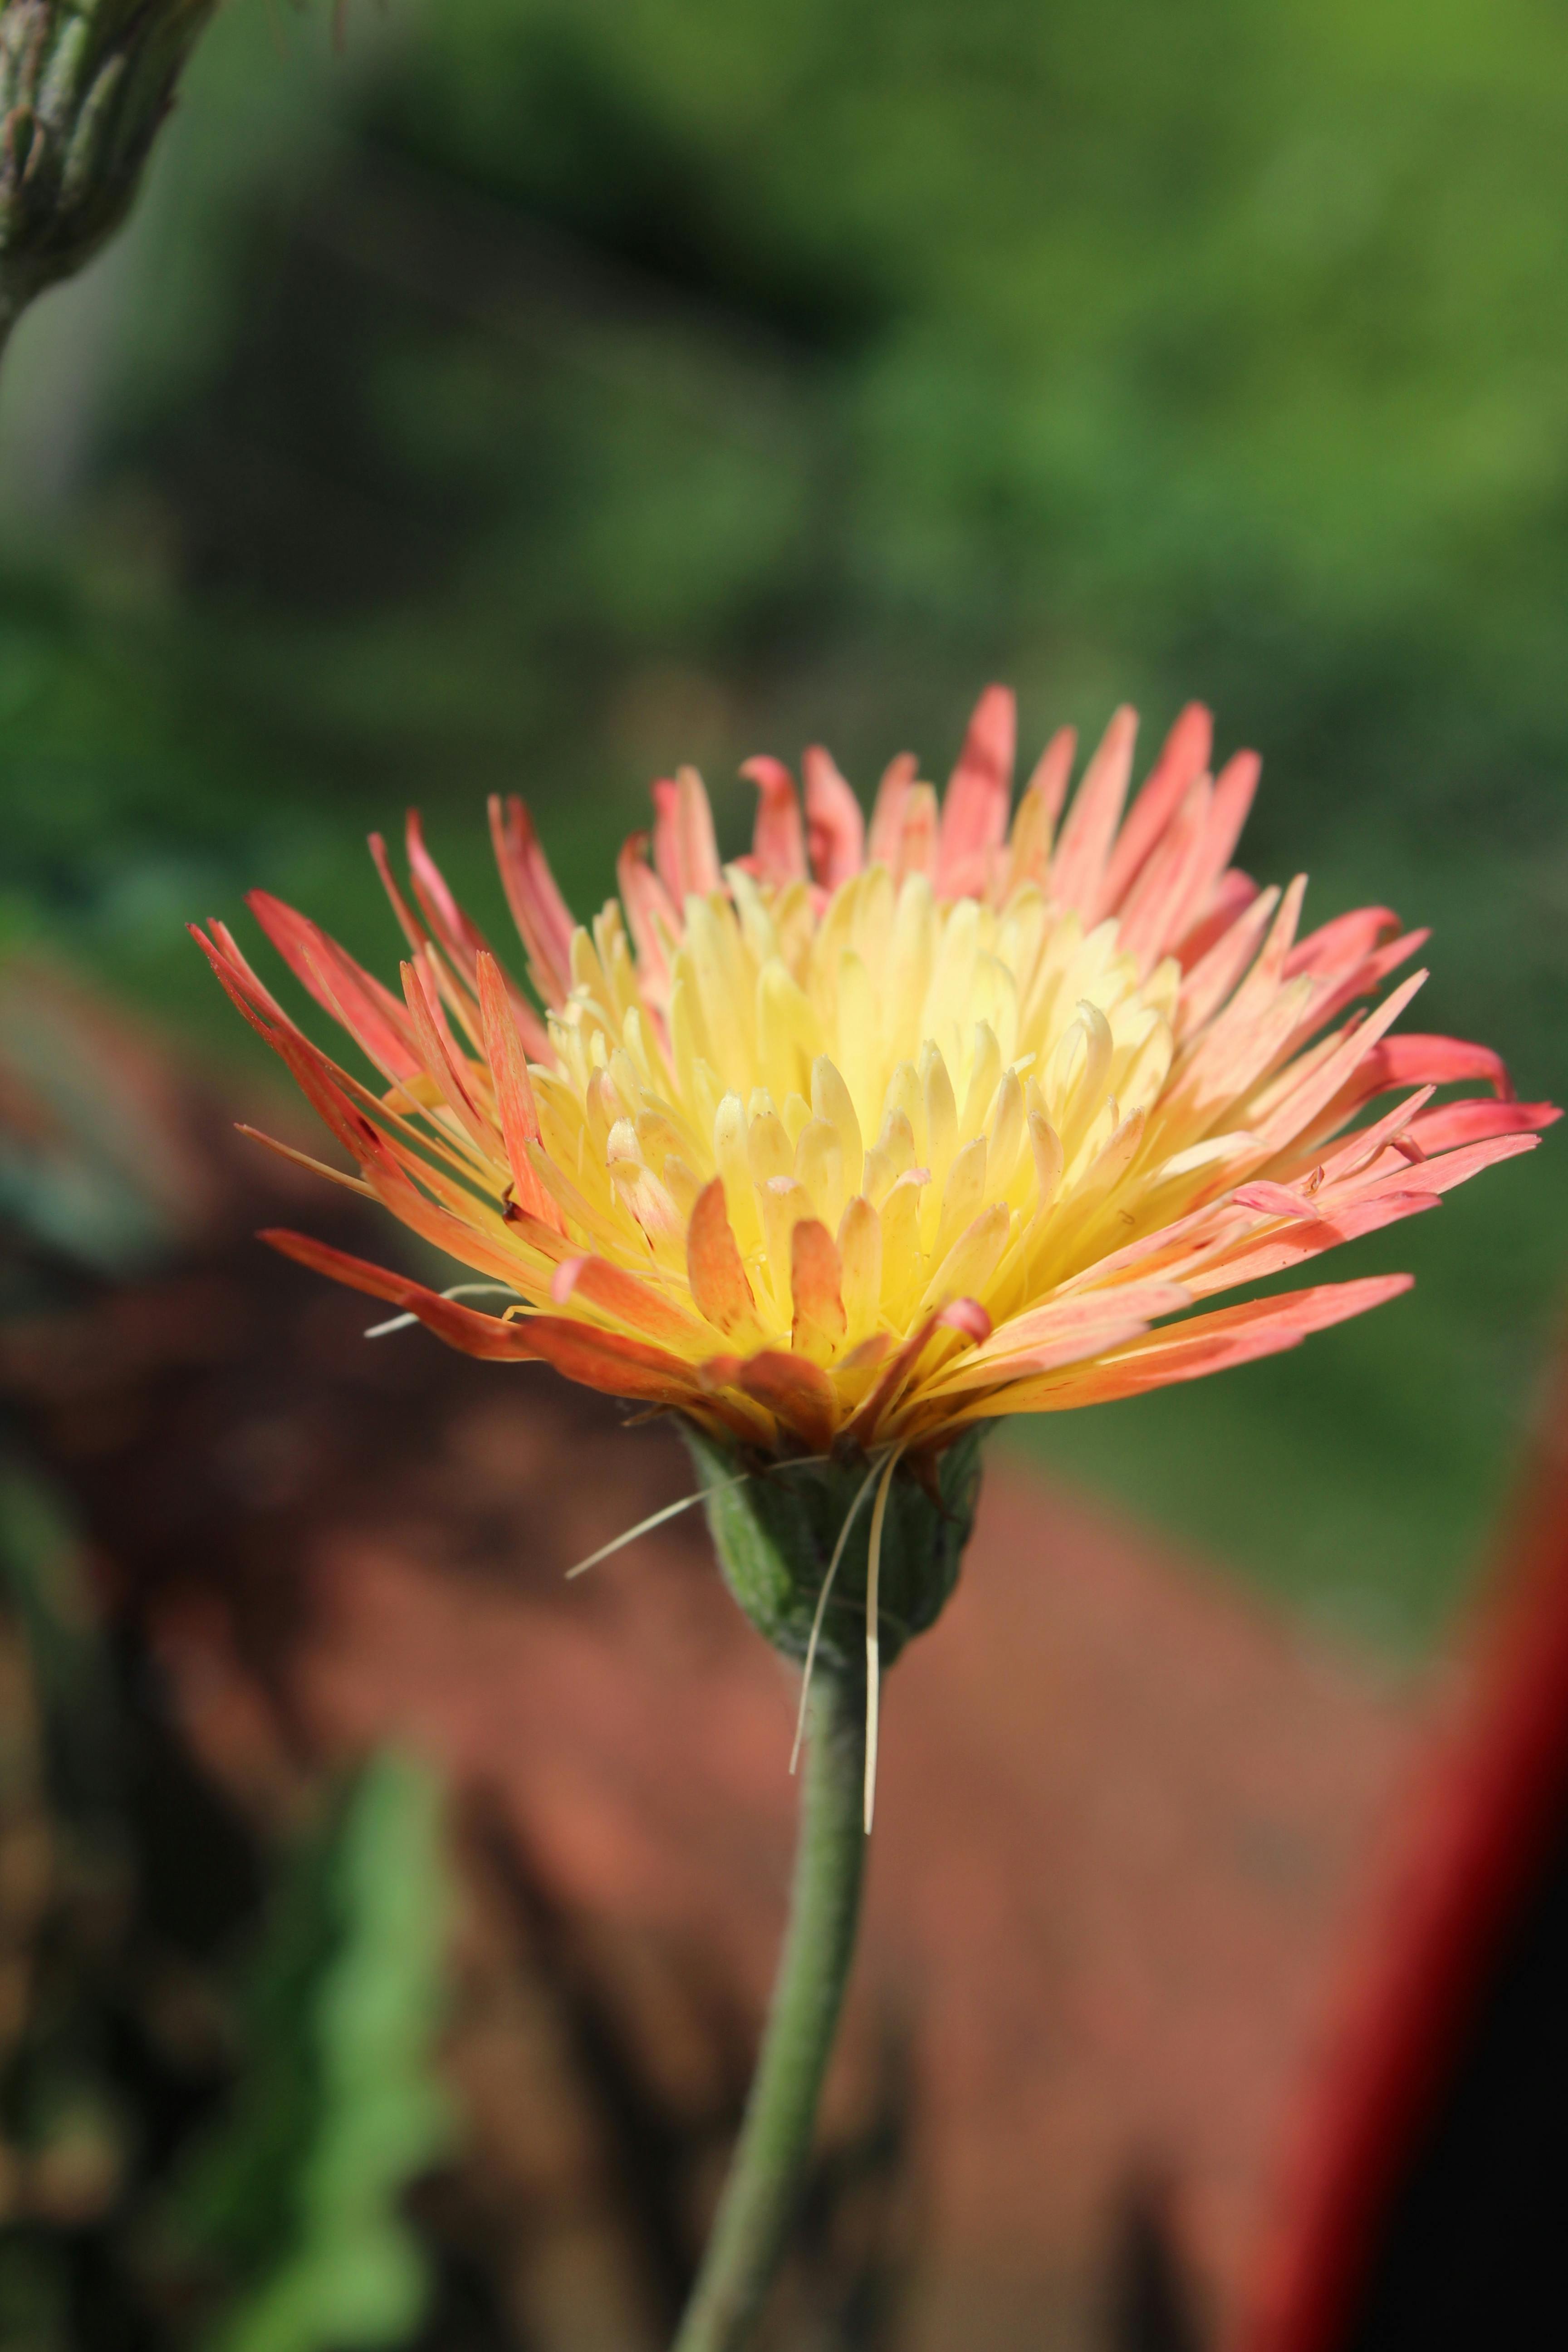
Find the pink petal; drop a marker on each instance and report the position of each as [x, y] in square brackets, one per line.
[1164, 885]
[1340, 945]
[834, 824]
[1211, 1343]
[918, 843]
[1232, 794]
[778, 842]
[650, 912]
[975, 814]
[1440, 1061]
[1232, 895]
[542, 917]
[885, 846]
[357, 1000]
[1476, 1122]
[698, 846]
[1077, 868]
[1185, 757]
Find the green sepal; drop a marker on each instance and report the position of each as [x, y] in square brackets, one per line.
[776, 1534]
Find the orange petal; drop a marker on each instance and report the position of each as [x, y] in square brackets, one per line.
[1063, 1317]
[443, 1062]
[461, 1327]
[714, 1269]
[698, 846]
[1280, 1249]
[862, 1424]
[603, 1360]
[796, 1390]
[599, 1360]
[817, 1278]
[515, 1104]
[998, 1380]
[685, 851]
[617, 1291]
[461, 938]
[1052, 772]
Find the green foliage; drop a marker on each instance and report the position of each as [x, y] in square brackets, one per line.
[296, 2201]
[282, 2229]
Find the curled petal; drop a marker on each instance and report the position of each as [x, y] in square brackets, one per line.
[1475, 1122]
[835, 827]
[778, 838]
[1438, 1061]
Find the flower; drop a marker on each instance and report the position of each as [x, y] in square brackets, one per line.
[877, 1133]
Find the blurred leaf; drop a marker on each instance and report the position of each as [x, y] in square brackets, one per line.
[337, 2109]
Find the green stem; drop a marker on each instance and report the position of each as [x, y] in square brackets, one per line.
[774, 2147]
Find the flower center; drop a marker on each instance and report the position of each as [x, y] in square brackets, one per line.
[952, 1065]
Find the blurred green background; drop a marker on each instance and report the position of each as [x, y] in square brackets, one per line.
[532, 395]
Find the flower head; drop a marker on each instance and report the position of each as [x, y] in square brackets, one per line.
[878, 1132]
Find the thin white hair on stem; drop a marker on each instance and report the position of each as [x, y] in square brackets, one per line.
[670, 1510]
[459, 1290]
[873, 1634]
[653, 1519]
[863, 1491]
